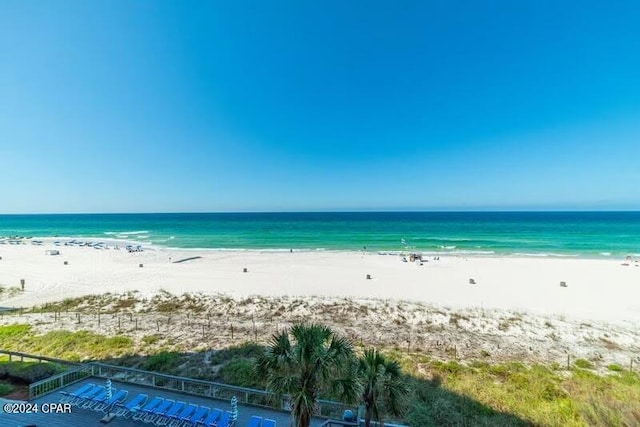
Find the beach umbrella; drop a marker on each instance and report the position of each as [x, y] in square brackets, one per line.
[109, 390]
[109, 394]
[234, 409]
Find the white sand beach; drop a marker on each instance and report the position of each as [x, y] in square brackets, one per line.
[597, 289]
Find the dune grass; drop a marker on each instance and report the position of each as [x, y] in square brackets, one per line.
[538, 394]
[8, 291]
[74, 346]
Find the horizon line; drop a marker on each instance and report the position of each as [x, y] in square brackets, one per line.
[335, 211]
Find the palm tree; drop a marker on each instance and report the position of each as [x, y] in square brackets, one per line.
[382, 385]
[306, 361]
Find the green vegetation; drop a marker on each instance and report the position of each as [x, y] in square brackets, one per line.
[432, 404]
[514, 394]
[11, 332]
[584, 364]
[81, 345]
[28, 372]
[241, 372]
[6, 388]
[151, 339]
[245, 351]
[164, 362]
[384, 389]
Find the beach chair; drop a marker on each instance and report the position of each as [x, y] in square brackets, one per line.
[198, 416]
[79, 396]
[170, 414]
[255, 421]
[159, 411]
[268, 423]
[211, 418]
[134, 405]
[148, 408]
[184, 416]
[117, 397]
[94, 400]
[68, 396]
[225, 420]
[88, 395]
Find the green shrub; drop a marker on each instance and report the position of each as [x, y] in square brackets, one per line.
[615, 368]
[241, 372]
[479, 364]
[583, 364]
[28, 372]
[164, 362]
[451, 367]
[246, 350]
[151, 339]
[420, 415]
[6, 389]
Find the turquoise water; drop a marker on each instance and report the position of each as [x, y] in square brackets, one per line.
[587, 234]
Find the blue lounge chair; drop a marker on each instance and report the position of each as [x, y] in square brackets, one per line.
[255, 421]
[94, 392]
[79, 397]
[159, 411]
[67, 396]
[225, 420]
[131, 406]
[211, 418]
[198, 416]
[148, 408]
[117, 397]
[183, 416]
[268, 423]
[171, 413]
[94, 400]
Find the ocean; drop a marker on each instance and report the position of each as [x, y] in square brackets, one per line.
[559, 234]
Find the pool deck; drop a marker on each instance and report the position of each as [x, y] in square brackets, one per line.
[89, 418]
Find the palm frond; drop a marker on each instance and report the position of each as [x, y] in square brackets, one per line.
[346, 385]
[383, 388]
[305, 361]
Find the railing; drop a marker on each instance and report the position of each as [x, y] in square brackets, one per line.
[331, 409]
[182, 384]
[56, 382]
[248, 396]
[48, 385]
[338, 423]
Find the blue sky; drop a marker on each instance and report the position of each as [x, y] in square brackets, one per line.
[110, 106]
